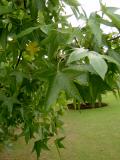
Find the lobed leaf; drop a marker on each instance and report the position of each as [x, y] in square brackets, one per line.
[61, 81]
[98, 63]
[77, 54]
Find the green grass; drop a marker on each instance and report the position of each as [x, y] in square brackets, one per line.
[90, 135]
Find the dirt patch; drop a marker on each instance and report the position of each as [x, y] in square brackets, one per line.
[86, 106]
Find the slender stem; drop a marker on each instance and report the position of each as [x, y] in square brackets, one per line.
[18, 61]
[77, 42]
[58, 152]
[114, 38]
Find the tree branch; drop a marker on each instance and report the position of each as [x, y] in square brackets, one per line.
[114, 38]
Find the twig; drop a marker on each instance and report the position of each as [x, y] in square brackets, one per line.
[18, 61]
[77, 42]
[114, 38]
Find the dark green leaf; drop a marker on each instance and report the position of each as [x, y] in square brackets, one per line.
[58, 142]
[114, 55]
[82, 79]
[5, 9]
[3, 38]
[26, 31]
[39, 146]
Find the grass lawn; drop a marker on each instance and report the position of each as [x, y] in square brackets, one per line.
[90, 135]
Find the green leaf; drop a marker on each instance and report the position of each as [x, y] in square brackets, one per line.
[3, 38]
[110, 13]
[58, 142]
[94, 25]
[1, 131]
[41, 19]
[98, 63]
[74, 68]
[39, 146]
[47, 28]
[9, 102]
[5, 9]
[77, 54]
[72, 2]
[19, 76]
[105, 22]
[96, 60]
[61, 81]
[82, 16]
[33, 8]
[27, 31]
[54, 40]
[27, 134]
[115, 55]
[111, 59]
[82, 79]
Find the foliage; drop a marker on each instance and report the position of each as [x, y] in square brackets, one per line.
[96, 53]
[31, 76]
[43, 59]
